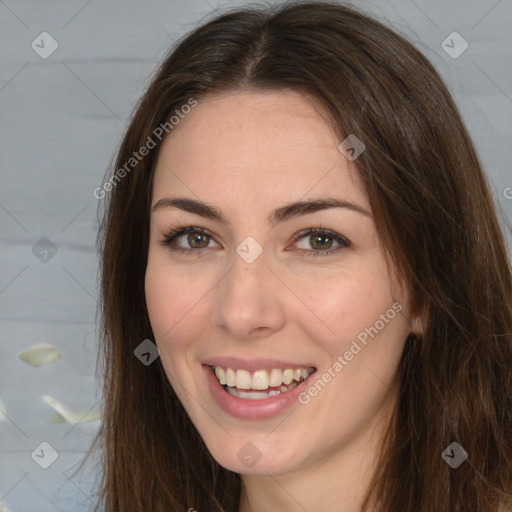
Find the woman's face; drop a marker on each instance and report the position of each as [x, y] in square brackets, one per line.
[258, 297]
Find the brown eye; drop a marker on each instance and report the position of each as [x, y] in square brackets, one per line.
[321, 241]
[197, 239]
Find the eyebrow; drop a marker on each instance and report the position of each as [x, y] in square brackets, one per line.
[278, 215]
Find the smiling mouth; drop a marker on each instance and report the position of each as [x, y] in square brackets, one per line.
[260, 384]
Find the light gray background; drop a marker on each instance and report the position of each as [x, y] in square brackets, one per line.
[61, 120]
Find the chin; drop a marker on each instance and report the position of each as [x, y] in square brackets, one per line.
[255, 455]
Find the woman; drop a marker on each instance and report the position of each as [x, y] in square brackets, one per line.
[306, 295]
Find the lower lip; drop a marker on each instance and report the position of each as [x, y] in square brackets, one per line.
[251, 409]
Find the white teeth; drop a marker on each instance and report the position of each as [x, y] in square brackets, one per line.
[259, 395]
[262, 379]
[243, 379]
[230, 377]
[259, 380]
[219, 372]
[275, 378]
[288, 376]
[247, 394]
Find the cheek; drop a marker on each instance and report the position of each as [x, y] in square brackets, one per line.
[346, 304]
[168, 304]
[159, 297]
[359, 320]
[169, 299]
[177, 308]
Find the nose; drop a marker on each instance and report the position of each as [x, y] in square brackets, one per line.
[249, 300]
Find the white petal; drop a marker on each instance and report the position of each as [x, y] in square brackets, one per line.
[69, 414]
[3, 508]
[41, 354]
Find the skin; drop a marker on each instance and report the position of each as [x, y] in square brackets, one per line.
[247, 153]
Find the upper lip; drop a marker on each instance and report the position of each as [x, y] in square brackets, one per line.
[254, 364]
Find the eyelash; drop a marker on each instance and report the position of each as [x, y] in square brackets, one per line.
[169, 240]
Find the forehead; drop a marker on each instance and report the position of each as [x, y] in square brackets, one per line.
[255, 148]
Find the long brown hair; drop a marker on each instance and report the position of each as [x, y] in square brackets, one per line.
[434, 215]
